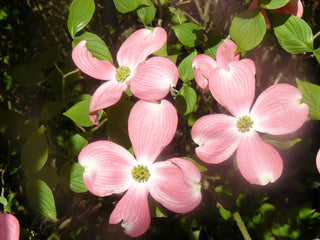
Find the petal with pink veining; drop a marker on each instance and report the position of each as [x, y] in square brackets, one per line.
[234, 89]
[175, 183]
[202, 66]
[9, 227]
[99, 69]
[140, 45]
[250, 64]
[133, 211]
[217, 137]
[154, 78]
[318, 160]
[107, 168]
[293, 7]
[258, 162]
[226, 54]
[278, 110]
[105, 95]
[152, 126]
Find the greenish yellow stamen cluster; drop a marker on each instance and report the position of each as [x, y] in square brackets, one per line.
[122, 73]
[244, 124]
[140, 173]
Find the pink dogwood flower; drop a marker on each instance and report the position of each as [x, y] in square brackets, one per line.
[277, 111]
[318, 160]
[149, 79]
[111, 169]
[293, 7]
[9, 227]
[217, 75]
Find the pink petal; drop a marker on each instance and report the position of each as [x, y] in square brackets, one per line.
[107, 168]
[258, 162]
[133, 210]
[99, 69]
[226, 54]
[217, 137]
[9, 227]
[318, 160]
[140, 45]
[278, 110]
[293, 7]
[202, 66]
[175, 183]
[250, 64]
[106, 95]
[234, 89]
[154, 78]
[151, 127]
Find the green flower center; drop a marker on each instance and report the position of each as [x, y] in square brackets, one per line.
[122, 73]
[140, 173]
[244, 124]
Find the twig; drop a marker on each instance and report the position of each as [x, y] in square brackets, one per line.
[316, 35]
[160, 13]
[241, 226]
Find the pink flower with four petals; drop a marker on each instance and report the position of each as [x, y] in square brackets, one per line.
[149, 79]
[111, 169]
[9, 227]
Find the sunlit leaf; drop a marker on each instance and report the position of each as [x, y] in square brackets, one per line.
[178, 16]
[293, 33]
[311, 96]
[225, 214]
[317, 54]
[146, 13]
[34, 152]
[80, 14]
[76, 179]
[95, 45]
[41, 198]
[283, 145]
[125, 6]
[186, 100]
[248, 29]
[198, 165]
[272, 4]
[185, 67]
[75, 144]
[189, 34]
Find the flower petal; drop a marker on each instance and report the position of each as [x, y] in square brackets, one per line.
[99, 69]
[278, 110]
[9, 227]
[107, 168]
[217, 137]
[202, 66]
[151, 127]
[318, 160]
[105, 96]
[154, 78]
[258, 162]
[293, 7]
[226, 54]
[234, 89]
[133, 210]
[175, 183]
[140, 45]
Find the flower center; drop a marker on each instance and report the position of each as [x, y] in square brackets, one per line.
[140, 173]
[122, 73]
[244, 124]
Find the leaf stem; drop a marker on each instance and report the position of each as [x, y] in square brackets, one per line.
[241, 225]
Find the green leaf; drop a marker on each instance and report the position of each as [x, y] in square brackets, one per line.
[272, 4]
[162, 52]
[160, 212]
[95, 45]
[267, 207]
[248, 29]
[27, 74]
[80, 14]
[185, 100]
[3, 201]
[185, 67]
[34, 152]
[11, 124]
[311, 96]
[76, 179]
[212, 51]
[49, 176]
[75, 145]
[189, 34]
[293, 33]
[41, 198]
[79, 113]
[317, 54]
[125, 6]
[146, 13]
[48, 58]
[225, 214]
[283, 145]
[178, 16]
[51, 109]
[197, 164]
